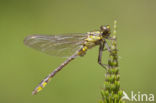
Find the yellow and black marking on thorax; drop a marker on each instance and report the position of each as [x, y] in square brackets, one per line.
[93, 39]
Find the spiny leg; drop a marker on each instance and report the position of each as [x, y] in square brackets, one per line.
[107, 46]
[111, 38]
[101, 48]
[48, 78]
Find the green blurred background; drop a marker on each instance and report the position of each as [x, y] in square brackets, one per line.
[22, 68]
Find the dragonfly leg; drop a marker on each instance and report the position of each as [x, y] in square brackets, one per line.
[101, 48]
[111, 38]
[107, 46]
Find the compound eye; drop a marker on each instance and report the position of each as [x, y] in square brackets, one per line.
[105, 28]
[108, 27]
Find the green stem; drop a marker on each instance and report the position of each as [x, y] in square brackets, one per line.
[112, 92]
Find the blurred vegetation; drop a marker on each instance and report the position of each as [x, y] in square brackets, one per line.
[81, 81]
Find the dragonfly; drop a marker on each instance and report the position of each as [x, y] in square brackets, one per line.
[69, 45]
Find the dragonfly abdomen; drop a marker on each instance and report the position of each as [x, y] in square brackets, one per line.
[49, 77]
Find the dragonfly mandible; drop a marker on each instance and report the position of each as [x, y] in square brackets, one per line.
[73, 45]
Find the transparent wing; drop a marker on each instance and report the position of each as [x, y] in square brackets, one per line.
[58, 45]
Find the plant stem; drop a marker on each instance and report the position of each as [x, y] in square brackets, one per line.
[111, 92]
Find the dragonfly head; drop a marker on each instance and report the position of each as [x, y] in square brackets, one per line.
[105, 30]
